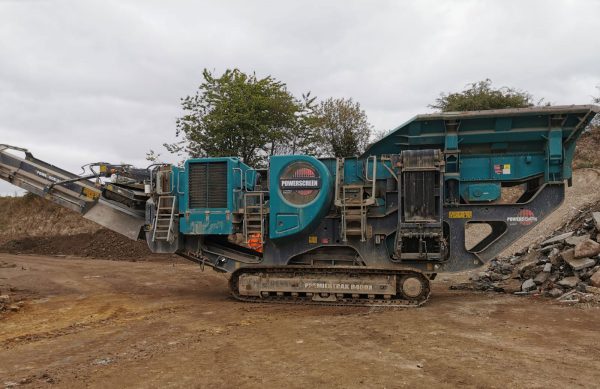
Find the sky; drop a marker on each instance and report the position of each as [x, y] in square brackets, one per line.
[85, 81]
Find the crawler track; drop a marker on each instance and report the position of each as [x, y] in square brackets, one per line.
[410, 288]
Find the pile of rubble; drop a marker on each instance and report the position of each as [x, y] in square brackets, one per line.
[566, 266]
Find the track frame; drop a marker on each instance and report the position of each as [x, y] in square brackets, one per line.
[335, 273]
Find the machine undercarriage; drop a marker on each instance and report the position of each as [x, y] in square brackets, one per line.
[330, 286]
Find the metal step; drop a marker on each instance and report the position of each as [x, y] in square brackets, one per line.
[354, 217]
[353, 231]
[164, 219]
[254, 216]
[353, 209]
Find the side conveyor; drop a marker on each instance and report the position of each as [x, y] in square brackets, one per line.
[68, 190]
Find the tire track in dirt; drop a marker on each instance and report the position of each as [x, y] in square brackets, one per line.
[113, 318]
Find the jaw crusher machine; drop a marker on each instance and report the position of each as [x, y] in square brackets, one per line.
[367, 230]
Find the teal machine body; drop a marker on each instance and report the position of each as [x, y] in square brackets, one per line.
[301, 196]
[406, 201]
[209, 192]
[484, 149]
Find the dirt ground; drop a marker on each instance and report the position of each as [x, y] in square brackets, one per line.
[99, 323]
[586, 153]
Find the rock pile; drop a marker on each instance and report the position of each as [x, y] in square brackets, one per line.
[565, 266]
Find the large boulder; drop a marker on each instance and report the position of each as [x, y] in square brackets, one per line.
[587, 248]
[528, 285]
[569, 282]
[580, 263]
[575, 240]
[595, 279]
[596, 217]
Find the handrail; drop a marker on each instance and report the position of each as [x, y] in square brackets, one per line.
[179, 180]
[235, 169]
[9, 147]
[246, 179]
[339, 178]
[374, 175]
[373, 179]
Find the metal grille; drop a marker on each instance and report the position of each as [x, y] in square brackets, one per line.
[208, 185]
[419, 195]
[418, 159]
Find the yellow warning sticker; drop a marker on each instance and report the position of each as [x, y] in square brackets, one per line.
[312, 239]
[460, 214]
[91, 194]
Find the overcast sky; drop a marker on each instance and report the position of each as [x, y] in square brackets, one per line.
[84, 81]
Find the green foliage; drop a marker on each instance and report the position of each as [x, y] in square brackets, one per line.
[242, 115]
[253, 118]
[379, 135]
[302, 137]
[153, 156]
[481, 96]
[343, 127]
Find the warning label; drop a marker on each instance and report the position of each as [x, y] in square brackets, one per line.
[460, 214]
[502, 168]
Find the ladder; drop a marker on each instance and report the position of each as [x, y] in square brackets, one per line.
[350, 198]
[353, 212]
[254, 216]
[164, 219]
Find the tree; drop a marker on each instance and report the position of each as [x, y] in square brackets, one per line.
[379, 135]
[481, 96]
[153, 156]
[302, 137]
[241, 115]
[343, 126]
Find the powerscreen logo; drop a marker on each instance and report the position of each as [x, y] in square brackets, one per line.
[300, 183]
[525, 217]
[305, 183]
[300, 177]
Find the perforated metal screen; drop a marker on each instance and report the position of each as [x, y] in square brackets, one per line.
[208, 185]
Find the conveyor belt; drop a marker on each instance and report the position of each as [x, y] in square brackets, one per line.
[68, 190]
